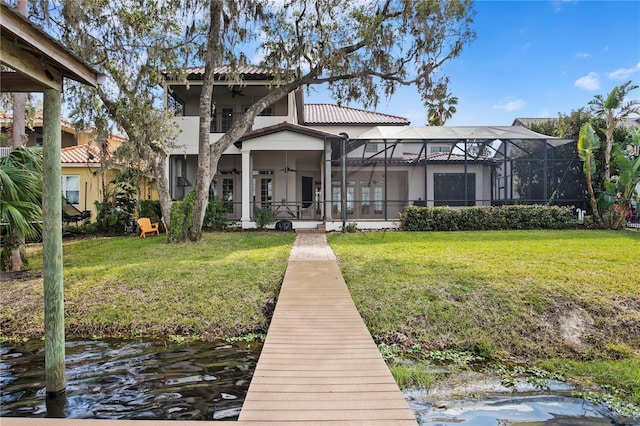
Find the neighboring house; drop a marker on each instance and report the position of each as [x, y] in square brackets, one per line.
[82, 180]
[69, 135]
[321, 164]
[81, 162]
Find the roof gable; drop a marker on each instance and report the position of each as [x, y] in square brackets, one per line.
[286, 126]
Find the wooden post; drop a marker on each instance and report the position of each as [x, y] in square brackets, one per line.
[52, 245]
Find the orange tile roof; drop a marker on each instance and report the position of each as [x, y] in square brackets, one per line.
[85, 154]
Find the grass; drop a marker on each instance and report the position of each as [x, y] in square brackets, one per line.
[520, 296]
[224, 285]
[567, 301]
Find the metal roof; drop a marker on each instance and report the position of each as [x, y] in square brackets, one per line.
[315, 114]
[451, 133]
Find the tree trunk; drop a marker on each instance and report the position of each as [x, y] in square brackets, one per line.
[18, 135]
[162, 185]
[16, 247]
[611, 126]
[203, 178]
[592, 198]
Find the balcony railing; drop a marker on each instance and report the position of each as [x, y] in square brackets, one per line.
[221, 122]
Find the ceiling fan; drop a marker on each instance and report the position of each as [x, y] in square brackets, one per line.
[287, 169]
[235, 92]
[235, 171]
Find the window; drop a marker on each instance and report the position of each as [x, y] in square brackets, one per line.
[226, 119]
[371, 148]
[449, 189]
[222, 119]
[227, 193]
[267, 112]
[435, 149]
[71, 189]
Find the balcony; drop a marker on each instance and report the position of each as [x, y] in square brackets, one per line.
[187, 139]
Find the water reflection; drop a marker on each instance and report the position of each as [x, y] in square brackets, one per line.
[131, 380]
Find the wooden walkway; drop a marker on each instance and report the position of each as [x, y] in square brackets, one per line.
[319, 364]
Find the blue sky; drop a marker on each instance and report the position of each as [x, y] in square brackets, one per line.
[534, 59]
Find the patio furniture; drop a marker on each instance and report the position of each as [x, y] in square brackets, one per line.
[71, 214]
[146, 227]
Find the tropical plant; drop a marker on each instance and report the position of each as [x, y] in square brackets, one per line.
[614, 109]
[611, 200]
[20, 203]
[440, 106]
[118, 206]
[628, 177]
[588, 143]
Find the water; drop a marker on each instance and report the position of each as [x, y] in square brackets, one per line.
[131, 380]
[511, 410]
[208, 381]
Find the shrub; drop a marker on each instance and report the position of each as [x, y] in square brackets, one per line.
[351, 227]
[215, 217]
[487, 218]
[150, 208]
[181, 218]
[264, 216]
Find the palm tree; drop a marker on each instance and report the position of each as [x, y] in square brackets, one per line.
[440, 107]
[20, 203]
[614, 109]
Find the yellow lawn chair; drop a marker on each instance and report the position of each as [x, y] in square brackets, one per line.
[146, 227]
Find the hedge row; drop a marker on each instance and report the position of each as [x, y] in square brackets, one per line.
[487, 218]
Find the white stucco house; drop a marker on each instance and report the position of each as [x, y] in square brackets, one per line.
[327, 165]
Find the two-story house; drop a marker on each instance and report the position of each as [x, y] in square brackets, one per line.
[326, 164]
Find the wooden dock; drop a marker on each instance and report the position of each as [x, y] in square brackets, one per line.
[319, 364]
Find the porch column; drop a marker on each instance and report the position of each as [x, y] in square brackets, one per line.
[246, 188]
[327, 181]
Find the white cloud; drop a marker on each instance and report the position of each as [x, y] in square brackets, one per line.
[623, 73]
[590, 81]
[510, 104]
[558, 5]
[582, 55]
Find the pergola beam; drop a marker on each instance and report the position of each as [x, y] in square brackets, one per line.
[34, 42]
[32, 69]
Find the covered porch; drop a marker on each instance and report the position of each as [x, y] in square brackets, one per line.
[282, 168]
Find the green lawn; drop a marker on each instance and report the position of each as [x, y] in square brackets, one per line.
[522, 296]
[223, 285]
[568, 301]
